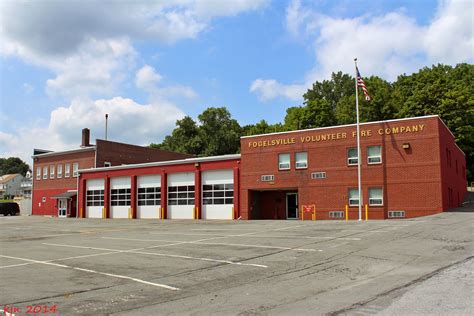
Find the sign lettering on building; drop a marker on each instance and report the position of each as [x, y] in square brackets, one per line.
[321, 137]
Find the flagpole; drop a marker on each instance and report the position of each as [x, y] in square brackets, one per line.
[358, 143]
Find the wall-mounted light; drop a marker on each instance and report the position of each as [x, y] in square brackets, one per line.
[406, 146]
[196, 164]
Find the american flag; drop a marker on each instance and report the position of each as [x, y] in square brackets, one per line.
[361, 83]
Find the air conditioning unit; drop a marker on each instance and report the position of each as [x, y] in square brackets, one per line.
[318, 175]
[396, 214]
[336, 214]
[267, 178]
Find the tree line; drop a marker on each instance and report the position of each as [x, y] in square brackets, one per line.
[443, 90]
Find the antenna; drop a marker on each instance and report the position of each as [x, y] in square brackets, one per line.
[106, 119]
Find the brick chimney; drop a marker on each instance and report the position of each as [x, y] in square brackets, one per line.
[85, 137]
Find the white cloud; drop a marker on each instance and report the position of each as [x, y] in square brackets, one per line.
[148, 79]
[129, 122]
[386, 45]
[270, 89]
[97, 68]
[88, 44]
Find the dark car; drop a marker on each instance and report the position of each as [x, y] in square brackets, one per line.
[9, 208]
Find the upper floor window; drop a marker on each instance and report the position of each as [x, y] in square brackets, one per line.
[67, 170]
[52, 170]
[353, 197]
[284, 161]
[59, 171]
[75, 169]
[374, 154]
[301, 160]
[45, 172]
[375, 196]
[352, 156]
[38, 173]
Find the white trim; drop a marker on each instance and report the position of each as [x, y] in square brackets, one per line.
[64, 152]
[164, 163]
[346, 125]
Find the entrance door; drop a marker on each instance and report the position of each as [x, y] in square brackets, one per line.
[292, 206]
[62, 207]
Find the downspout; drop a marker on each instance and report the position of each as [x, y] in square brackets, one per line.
[77, 194]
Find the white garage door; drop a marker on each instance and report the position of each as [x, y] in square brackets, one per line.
[149, 196]
[94, 198]
[181, 195]
[120, 197]
[217, 194]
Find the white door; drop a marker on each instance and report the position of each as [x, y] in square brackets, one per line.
[181, 195]
[218, 194]
[94, 198]
[62, 208]
[120, 197]
[149, 196]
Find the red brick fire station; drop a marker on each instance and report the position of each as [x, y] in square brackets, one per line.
[410, 167]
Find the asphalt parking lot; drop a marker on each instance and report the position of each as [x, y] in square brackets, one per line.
[153, 267]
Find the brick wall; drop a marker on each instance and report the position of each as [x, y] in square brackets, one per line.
[410, 178]
[44, 189]
[119, 153]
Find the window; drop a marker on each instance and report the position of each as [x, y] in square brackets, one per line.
[267, 178]
[45, 172]
[107, 164]
[149, 196]
[284, 161]
[353, 197]
[217, 194]
[301, 160]
[38, 173]
[374, 154]
[120, 197]
[352, 156]
[67, 170]
[318, 175]
[95, 198]
[181, 195]
[59, 170]
[375, 196]
[75, 168]
[51, 171]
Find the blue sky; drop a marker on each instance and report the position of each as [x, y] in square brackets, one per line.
[64, 64]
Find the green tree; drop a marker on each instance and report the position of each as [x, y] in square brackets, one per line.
[185, 138]
[216, 134]
[447, 92]
[262, 127]
[219, 132]
[13, 165]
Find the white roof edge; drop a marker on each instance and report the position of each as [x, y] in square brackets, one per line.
[63, 152]
[346, 125]
[164, 163]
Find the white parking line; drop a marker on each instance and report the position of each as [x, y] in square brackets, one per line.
[213, 243]
[252, 235]
[138, 250]
[59, 259]
[96, 272]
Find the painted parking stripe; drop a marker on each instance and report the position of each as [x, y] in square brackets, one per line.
[138, 251]
[212, 243]
[60, 259]
[95, 272]
[252, 235]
